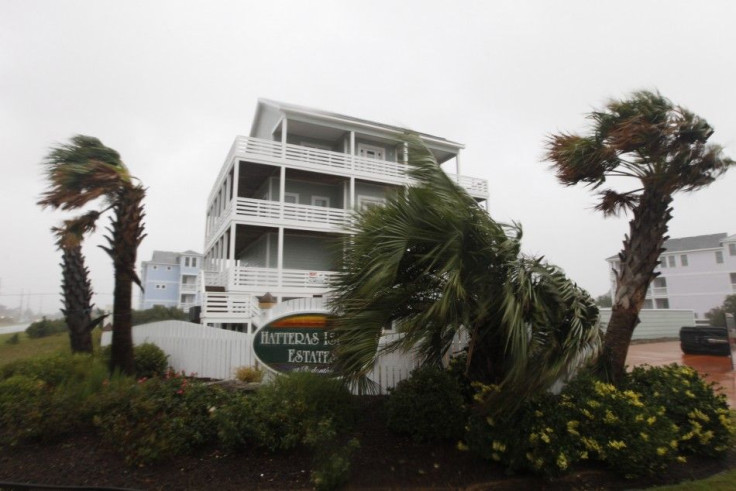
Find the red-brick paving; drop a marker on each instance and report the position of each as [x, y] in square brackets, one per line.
[714, 368]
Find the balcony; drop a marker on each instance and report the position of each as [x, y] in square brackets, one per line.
[188, 288]
[267, 212]
[318, 160]
[237, 277]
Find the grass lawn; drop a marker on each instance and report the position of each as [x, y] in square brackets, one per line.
[725, 481]
[27, 347]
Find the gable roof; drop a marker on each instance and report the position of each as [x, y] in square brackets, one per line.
[712, 241]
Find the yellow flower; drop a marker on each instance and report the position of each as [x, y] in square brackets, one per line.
[681, 459]
[496, 445]
[651, 420]
[562, 461]
[462, 447]
[661, 450]
[644, 436]
[572, 427]
[610, 418]
[617, 444]
[545, 438]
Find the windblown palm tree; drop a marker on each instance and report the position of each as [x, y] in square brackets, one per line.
[75, 285]
[432, 263]
[82, 172]
[664, 147]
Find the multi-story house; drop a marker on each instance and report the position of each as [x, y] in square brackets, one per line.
[287, 191]
[696, 273]
[171, 279]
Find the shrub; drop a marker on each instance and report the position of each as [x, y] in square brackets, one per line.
[332, 468]
[150, 361]
[157, 313]
[248, 374]
[705, 425]
[588, 420]
[540, 436]
[14, 339]
[159, 418]
[45, 327]
[295, 409]
[427, 406]
[53, 369]
[620, 428]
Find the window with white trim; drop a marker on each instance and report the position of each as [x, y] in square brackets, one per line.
[661, 303]
[732, 249]
[671, 261]
[322, 201]
[683, 259]
[733, 281]
[292, 198]
[371, 151]
[719, 257]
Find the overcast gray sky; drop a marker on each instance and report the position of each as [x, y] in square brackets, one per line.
[169, 84]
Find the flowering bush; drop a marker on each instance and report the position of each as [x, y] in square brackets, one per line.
[159, 418]
[704, 421]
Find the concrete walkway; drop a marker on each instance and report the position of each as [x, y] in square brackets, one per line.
[713, 368]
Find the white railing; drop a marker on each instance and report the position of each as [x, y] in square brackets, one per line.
[188, 288]
[320, 160]
[248, 276]
[185, 306]
[290, 307]
[269, 211]
[229, 305]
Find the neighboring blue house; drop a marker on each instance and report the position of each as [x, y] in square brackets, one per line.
[170, 279]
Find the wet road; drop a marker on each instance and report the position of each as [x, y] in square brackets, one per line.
[713, 368]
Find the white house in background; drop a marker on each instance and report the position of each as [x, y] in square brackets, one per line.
[170, 279]
[285, 193]
[696, 273]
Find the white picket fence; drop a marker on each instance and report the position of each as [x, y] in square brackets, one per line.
[215, 353]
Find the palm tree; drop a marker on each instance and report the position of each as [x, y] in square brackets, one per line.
[663, 147]
[84, 171]
[433, 263]
[75, 284]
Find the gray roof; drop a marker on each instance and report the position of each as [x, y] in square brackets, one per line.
[712, 241]
[165, 257]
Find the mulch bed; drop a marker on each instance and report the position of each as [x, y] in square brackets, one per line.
[384, 461]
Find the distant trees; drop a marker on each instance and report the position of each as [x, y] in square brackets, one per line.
[665, 149]
[85, 171]
[717, 315]
[604, 300]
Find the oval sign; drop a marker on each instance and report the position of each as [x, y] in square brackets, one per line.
[297, 343]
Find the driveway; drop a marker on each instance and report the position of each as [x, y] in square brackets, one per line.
[713, 368]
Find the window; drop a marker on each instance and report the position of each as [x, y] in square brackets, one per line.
[733, 281]
[732, 249]
[719, 257]
[648, 304]
[683, 259]
[292, 198]
[660, 282]
[168, 268]
[155, 267]
[662, 303]
[322, 201]
[194, 262]
[663, 262]
[365, 202]
[186, 262]
[671, 261]
[371, 151]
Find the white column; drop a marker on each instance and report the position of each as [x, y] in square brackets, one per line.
[282, 191]
[232, 243]
[352, 149]
[280, 253]
[457, 165]
[284, 129]
[352, 193]
[236, 178]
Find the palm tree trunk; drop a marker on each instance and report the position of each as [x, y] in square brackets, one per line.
[77, 292]
[126, 236]
[639, 258]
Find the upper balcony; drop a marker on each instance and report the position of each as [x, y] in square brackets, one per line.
[326, 161]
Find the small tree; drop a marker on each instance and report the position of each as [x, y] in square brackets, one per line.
[662, 146]
[717, 315]
[82, 172]
[75, 285]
